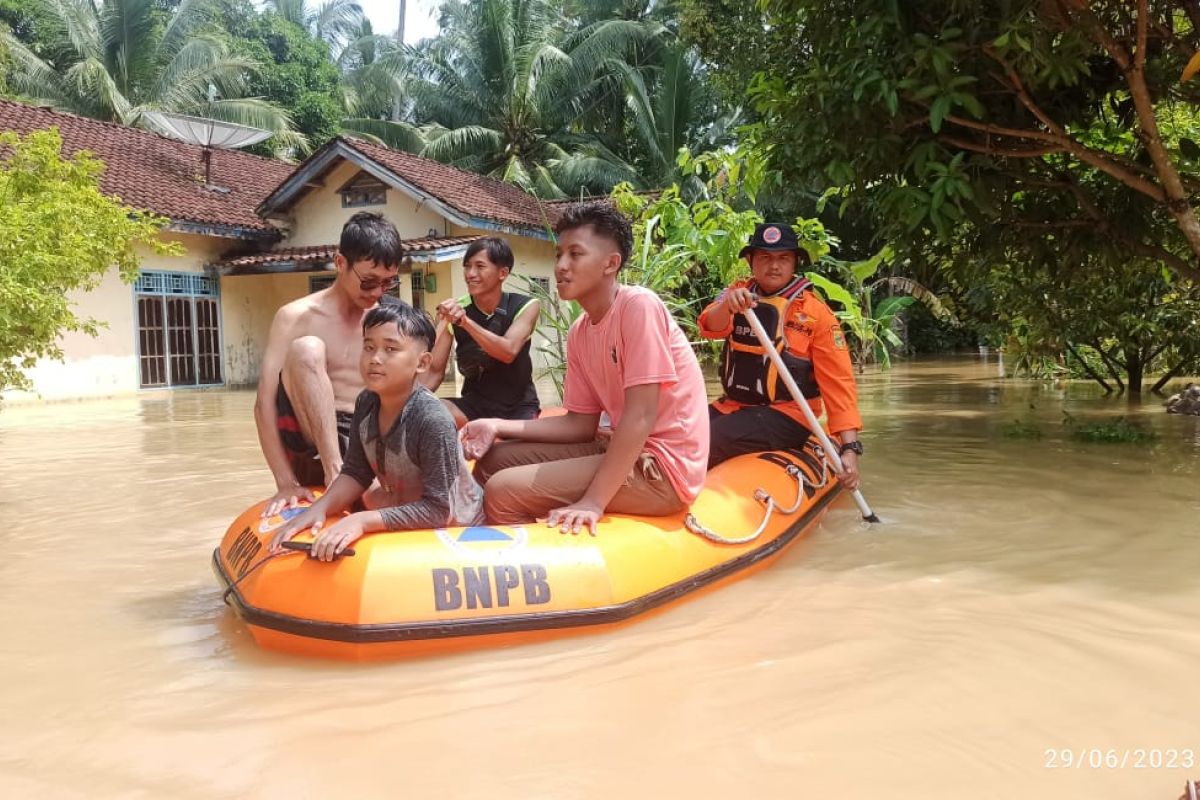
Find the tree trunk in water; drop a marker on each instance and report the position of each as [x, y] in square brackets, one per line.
[1134, 369]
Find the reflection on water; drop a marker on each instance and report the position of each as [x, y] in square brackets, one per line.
[1023, 595]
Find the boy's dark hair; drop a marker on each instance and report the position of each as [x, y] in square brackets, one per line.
[367, 236]
[605, 220]
[498, 251]
[411, 322]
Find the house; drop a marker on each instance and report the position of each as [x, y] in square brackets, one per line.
[259, 233]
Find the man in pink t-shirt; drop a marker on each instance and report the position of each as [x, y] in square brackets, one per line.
[626, 357]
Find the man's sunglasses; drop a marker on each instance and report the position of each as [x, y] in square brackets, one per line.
[371, 284]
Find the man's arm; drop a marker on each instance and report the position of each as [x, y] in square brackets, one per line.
[834, 372]
[432, 378]
[505, 348]
[479, 435]
[716, 320]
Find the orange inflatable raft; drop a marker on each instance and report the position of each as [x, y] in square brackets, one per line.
[412, 592]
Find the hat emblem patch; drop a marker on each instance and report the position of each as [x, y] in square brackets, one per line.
[772, 235]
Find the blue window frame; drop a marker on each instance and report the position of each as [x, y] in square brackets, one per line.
[178, 329]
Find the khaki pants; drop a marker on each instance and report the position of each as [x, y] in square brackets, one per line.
[524, 481]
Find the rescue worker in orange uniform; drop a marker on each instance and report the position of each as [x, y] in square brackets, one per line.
[756, 411]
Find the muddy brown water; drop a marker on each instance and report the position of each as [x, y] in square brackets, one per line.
[1024, 598]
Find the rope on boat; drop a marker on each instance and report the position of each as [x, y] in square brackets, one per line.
[233, 584]
[764, 497]
[288, 549]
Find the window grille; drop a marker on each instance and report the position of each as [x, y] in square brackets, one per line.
[179, 329]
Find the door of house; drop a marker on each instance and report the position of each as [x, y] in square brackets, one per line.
[179, 329]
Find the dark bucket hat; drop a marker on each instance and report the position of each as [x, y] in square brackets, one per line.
[773, 236]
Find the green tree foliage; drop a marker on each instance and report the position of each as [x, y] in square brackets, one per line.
[926, 113]
[1035, 143]
[654, 98]
[502, 88]
[869, 305]
[373, 69]
[295, 73]
[58, 235]
[1113, 323]
[116, 59]
[562, 98]
[29, 21]
[334, 21]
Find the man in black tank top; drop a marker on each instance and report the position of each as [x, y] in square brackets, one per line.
[491, 330]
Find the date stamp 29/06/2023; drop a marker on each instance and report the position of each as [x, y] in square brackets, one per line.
[1120, 758]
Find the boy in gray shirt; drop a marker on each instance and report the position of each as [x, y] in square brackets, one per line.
[402, 435]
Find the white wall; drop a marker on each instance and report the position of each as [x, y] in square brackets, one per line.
[107, 364]
[248, 305]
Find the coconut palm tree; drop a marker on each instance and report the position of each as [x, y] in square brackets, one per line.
[334, 22]
[503, 91]
[373, 67]
[669, 106]
[118, 59]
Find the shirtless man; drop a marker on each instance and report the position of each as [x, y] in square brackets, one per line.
[310, 375]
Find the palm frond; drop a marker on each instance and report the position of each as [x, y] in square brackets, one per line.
[398, 135]
[78, 29]
[641, 109]
[514, 172]
[33, 77]
[128, 32]
[591, 174]
[190, 16]
[90, 79]
[911, 288]
[602, 42]
[453, 146]
[294, 11]
[226, 74]
[256, 113]
[544, 185]
[449, 103]
[674, 109]
[334, 21]
[198, 54]
[363, 49]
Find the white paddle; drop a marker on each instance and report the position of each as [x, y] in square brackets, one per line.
[831, 452]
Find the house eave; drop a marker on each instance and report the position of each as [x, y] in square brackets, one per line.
[222, 231]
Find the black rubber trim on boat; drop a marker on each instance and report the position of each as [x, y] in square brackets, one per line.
[510, 623]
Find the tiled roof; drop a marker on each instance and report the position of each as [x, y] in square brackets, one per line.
[151, 172]
[471, 194]
[557, 207]
[321, 254]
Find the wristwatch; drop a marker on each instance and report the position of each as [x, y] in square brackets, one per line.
[855, 446]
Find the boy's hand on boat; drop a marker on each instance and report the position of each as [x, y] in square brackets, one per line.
[307, 519]
[574, 518]
[477, 437]
[287, 497]
[330, 543]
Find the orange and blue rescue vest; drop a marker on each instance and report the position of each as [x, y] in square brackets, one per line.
[809, 338]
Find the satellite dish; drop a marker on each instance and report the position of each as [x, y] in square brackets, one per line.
[208, 133]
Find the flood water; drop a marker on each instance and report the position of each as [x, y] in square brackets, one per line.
[1024, 596]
